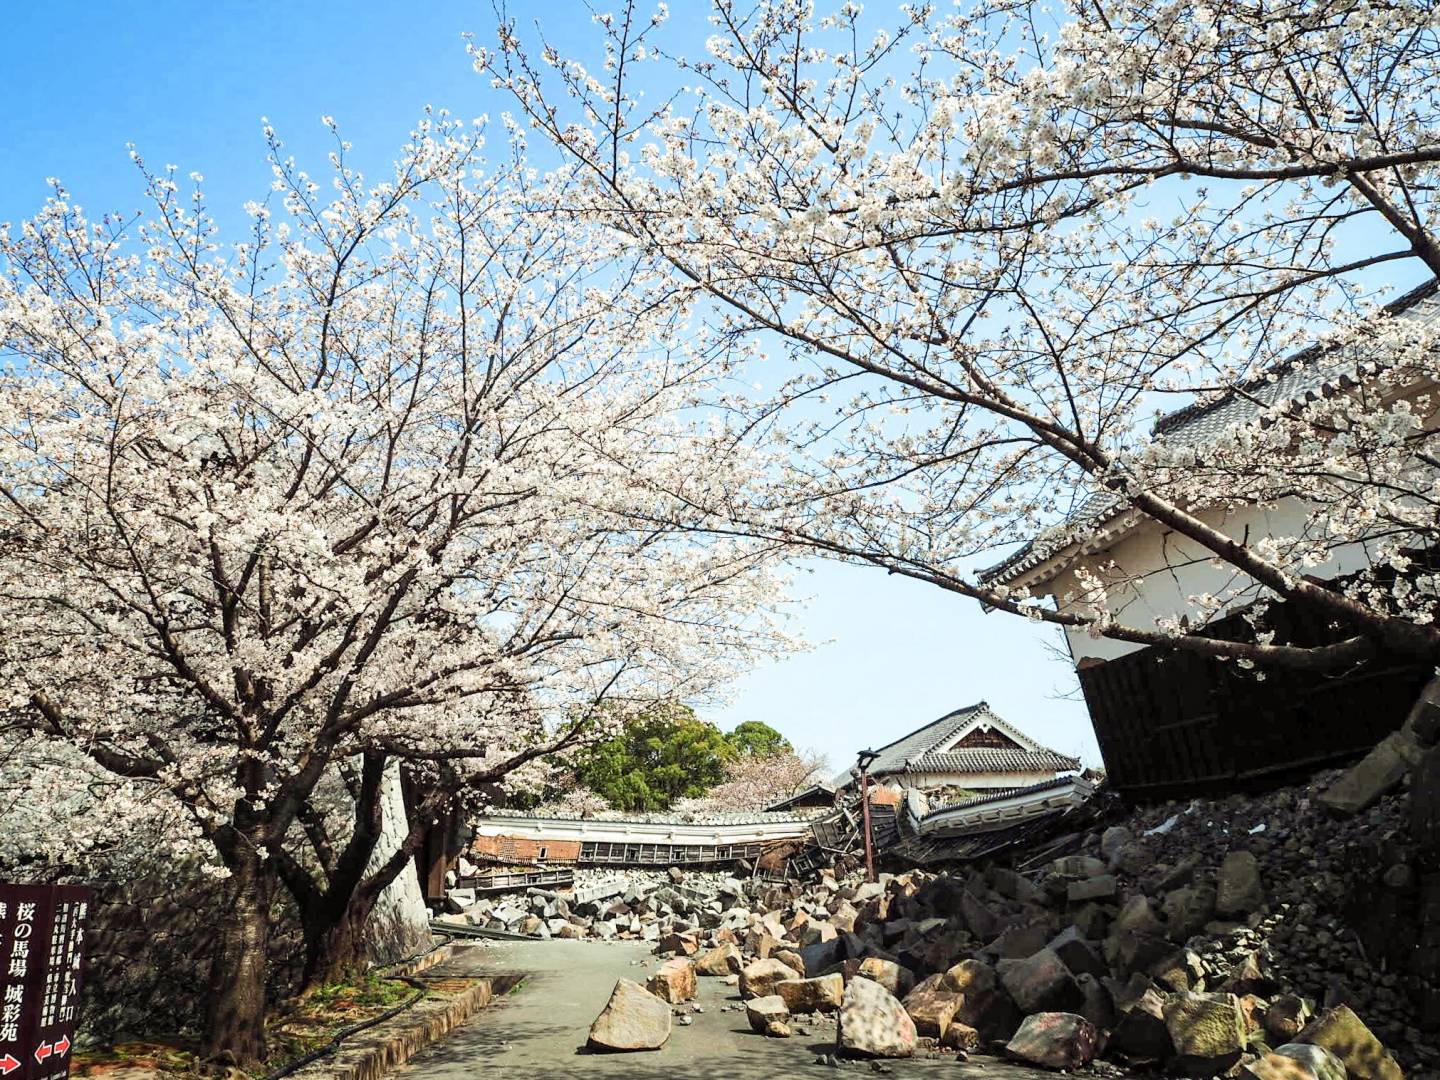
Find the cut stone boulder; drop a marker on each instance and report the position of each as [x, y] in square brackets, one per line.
[1208, 1031]
[1277, 1067]
[961, 1037]
[821, 994]
[894, 978]
[1056, 1040]
[1343, 1033]
[1285, 1018]
[1042, 984]
[932, 1007]
[763, 1011]
[1077, 954]
[718, 962]
[1238, 890]
[1140, 1034]
[1321, 1062]
[758, 978]
[633, 1019]
[873, 1023]
[674, 981]
[1377, 773]
[1103, 887]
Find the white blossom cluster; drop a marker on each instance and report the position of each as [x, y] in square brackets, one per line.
[377, 483]
[992, 240]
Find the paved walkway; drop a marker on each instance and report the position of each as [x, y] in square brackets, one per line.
[538, 1031]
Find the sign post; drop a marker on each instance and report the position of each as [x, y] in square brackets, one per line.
[42, 945]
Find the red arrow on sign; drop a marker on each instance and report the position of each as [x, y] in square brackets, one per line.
[62, 1045]
[8, 1064]
[42, 1051]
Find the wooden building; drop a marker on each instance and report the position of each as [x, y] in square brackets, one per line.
[970, 749]
[1168, 721]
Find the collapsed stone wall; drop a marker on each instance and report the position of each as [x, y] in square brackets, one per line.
[1353, 901]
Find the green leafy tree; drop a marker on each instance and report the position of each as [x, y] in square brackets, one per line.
[756, 739]
[664, 754]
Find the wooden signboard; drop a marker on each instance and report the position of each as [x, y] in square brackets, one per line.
[42, 946]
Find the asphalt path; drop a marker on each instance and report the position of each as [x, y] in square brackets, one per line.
[538, 1030]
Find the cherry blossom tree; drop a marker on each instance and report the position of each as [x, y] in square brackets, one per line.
[755, 781]
[992, 240]
[363, 489]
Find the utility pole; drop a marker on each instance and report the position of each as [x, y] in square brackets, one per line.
[866, 758]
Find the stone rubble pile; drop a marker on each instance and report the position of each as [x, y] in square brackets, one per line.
[1241, 937]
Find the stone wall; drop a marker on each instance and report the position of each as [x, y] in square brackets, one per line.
[150, 949]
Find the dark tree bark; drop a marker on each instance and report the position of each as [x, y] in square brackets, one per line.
[235, 1012]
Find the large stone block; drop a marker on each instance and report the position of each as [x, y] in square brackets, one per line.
[761, 1012]
[1101, 887]
[1042, 983]
[932, 1007]
[759, 977]
[1056, 1040]
[1208, 1031]
[1373, 776]
[896, 979]
[970, 976]
[873, 1023]
[1140, 1034]
[718, 962]
[633, 1019]
[1425, 803]
[978, 918]
[1238, 889]
[1077, 954]
[1343, 1033]
[820, 994]
[674, 981]
[1323, 1065]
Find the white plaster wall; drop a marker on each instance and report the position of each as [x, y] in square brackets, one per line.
[1164, 570]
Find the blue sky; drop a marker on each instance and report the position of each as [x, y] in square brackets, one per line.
[188, 82]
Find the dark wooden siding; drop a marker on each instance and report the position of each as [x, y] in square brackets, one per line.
[1172, 723]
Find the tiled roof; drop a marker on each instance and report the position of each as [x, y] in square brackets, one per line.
[916, 752]
[988, 759]
[1298, 376]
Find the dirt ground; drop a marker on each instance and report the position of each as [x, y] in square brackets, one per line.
[537, 1032]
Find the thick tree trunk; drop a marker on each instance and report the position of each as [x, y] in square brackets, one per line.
[372, 910]
[235, 1021]
[335, 943]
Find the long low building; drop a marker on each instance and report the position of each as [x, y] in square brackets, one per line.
[517, 837]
